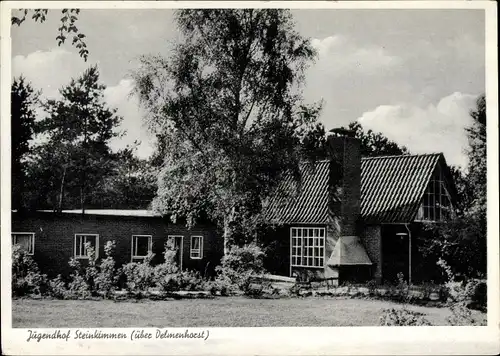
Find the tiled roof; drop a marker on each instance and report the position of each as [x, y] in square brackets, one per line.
[392, 186]
[310, 205]
[391, 190]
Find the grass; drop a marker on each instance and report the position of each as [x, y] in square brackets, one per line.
[221, 312]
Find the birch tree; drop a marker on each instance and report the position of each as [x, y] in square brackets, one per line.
[226, 108]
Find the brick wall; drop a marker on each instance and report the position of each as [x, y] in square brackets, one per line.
[345, 182]
[55, 238]
[372, 240]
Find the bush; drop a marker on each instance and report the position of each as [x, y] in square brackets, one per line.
[107, 277]
[78, 287]
[26, 276]
[82, 284]
[476, 294]
[223, 285]
[372, 286]
[402, 317]
[238, 266]
[140, 276]
[57, 288]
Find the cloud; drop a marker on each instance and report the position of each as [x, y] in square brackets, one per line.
[341, 56]
[119, 96]
[48, 71]
[434, 128]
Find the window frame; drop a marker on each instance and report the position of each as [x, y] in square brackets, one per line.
[436, 192]
[181, 248]
[32, 234]
[150, 247]
[199, 250]
[83, 257]
[321, 255]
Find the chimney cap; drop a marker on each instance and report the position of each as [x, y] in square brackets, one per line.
[340, 131]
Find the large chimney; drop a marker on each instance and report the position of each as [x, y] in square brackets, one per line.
[345, 153]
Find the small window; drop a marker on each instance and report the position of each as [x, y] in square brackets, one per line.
[81, 240]
[141, 246]
[26, 240]
[196, 247]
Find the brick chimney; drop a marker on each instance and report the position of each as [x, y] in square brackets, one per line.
[345, 180]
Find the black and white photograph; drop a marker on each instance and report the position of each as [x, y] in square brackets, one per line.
[172, 171]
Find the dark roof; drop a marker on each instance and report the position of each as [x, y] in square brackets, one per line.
[393, 186]
[310, 205]
[391, 190]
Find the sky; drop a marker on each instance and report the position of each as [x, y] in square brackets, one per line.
[413, 75]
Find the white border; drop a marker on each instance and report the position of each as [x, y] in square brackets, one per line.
[13, 234]
[293, 341]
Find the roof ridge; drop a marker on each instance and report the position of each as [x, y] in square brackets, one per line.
[404, 155]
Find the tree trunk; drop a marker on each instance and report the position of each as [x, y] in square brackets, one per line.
[228, 219]
[82, 199]
[227, 234]
[61, 192]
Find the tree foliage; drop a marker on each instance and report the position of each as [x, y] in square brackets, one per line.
[227, 111]
[67, 26]
[462, 241]
[24, 101]
[130, 183]
[74, 153]
[477, 166]
[375, 144]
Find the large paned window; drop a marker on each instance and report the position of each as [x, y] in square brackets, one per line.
[436, 203]
[307, 246]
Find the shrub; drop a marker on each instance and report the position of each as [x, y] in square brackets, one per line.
[166, 275]
[82, 280]
[402, 317]
[107, 277]
[238, 266]
[476, 294]
[460, 296]
[224, 285]
[372, 286]
[57, 288]
[78, 287]
[26, 277]
[402, 288]
[192, 281]
[460, 315]
[140, 276]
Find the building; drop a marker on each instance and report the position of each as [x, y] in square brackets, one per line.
[54, 238]
[350, 218]
[354, 218]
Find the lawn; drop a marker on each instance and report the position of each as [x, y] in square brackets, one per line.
[221, 312]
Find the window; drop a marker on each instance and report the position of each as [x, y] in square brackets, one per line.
[308, 246]
[26, 240]
[141, 246]
[436, 203]
[196, 247]
[81, 240]
[177, 242]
